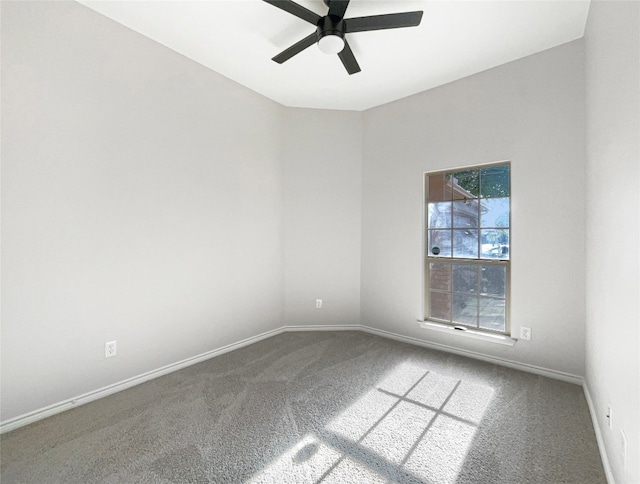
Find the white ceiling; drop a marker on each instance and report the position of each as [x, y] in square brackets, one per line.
[456, 38]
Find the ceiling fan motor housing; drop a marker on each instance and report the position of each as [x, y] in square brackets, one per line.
[331, 34]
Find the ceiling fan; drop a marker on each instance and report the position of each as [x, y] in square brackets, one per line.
[331, 29]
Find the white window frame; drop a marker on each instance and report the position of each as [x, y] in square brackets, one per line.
[439, 324]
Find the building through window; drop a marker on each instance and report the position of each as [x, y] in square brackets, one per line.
[468, 247]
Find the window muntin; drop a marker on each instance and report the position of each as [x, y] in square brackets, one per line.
[468, 242]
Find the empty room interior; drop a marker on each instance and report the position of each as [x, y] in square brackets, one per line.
[409, 253]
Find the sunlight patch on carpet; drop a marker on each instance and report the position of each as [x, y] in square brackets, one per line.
[362, 416]
[307, 461]
[396, 434]
[413, 423]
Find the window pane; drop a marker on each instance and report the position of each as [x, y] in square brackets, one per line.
[494, 280]
[438, 188]
[465, 214]
[465, 184]
[465, 244]
[494, 181]
[440, 305]
[440, 276]
[494, 212]
[492, 314]
[439, 243]
[465, 278]
[495, 244]
[465, 309]
[439, 215]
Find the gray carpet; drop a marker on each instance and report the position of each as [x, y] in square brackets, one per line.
[319, 407]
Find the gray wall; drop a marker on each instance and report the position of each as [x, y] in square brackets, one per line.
[141, 201]
[613, 175]
[322, 173]
[530, 112]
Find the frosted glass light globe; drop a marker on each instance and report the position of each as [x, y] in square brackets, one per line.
[331, 44]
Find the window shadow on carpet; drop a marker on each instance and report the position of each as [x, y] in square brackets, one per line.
[414, 425]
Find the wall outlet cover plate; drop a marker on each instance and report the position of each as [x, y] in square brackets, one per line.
[110, 349]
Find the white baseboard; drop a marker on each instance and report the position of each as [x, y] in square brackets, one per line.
[70, 403]
[323, 327]
[59, 407]
[596, 427]
[538, 370]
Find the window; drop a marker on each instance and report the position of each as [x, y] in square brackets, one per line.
[467, 247]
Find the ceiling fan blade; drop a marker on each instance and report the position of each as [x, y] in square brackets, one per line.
[296, 48]
[380, 22]
[348, 59]
[338, 8]
[294, 9]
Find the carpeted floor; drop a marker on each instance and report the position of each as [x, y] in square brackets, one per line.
[319, 407]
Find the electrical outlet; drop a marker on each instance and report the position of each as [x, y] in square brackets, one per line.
[110, 349]
[525, 333]
[609, 416]
[318, 303]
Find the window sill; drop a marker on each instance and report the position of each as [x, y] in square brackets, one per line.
[468, 333]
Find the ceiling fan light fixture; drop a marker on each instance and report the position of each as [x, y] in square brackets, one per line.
[331, 44]
[332, 28]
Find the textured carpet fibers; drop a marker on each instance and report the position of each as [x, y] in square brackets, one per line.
[319, 407]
